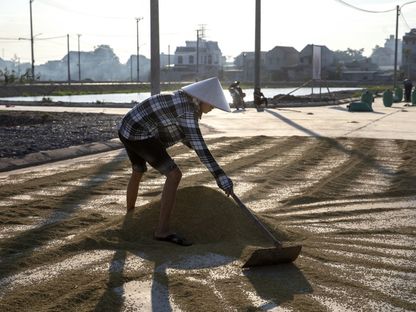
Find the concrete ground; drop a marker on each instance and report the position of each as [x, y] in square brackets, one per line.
[350, 203]
[396, 122]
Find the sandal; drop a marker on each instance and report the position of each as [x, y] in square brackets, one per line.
[175, 239]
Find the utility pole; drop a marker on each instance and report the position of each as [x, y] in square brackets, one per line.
[168, 72]
[395, 47]
[257, 47]
[79, 59]
[131, 68]
[18, 67]
[69, 63]
[154, 47]
[200, 34]
[197, 55]
[138, 19]
[32, 41]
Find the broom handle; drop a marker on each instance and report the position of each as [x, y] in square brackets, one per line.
[253, 218]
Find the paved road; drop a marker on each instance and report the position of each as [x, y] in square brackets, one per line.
[397, 122]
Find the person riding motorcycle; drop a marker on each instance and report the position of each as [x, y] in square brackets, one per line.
[237, 95]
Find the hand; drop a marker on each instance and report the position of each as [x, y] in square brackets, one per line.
[225, 184]
[229, 191]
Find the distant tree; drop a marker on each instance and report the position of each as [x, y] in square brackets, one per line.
[10, 77]
[105, 52]
[382, 56]
[349, 55]
[103, 64]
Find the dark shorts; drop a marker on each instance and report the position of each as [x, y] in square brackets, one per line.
[151, 151]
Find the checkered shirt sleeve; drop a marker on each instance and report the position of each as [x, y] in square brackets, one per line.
[193, 136]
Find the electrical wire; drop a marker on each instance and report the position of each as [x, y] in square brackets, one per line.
[66, 9]
[49, 38]
[410, 2]
[364, 10]
[402, 16]
[404, 20]
[19, 39]
[13, 39]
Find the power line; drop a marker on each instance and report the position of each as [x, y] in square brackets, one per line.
[67, 8]
[363, 10]
[410, 2]
[13, 39]
[372, 11]
[401, 13]
[49, 38]
[404, 20]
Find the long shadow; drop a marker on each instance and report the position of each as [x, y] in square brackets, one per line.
[340, 108]
[344, 109]
[334, 143]
[293, 124]
[20, 247]
[110, 298]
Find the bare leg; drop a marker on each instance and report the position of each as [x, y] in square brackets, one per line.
[168, 201]
[133, 189]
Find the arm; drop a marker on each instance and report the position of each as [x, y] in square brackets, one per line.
[190, 127]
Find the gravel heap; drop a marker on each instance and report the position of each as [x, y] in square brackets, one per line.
[22, 133]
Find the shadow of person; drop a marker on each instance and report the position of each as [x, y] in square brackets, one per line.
[221, 233]
[111, 298]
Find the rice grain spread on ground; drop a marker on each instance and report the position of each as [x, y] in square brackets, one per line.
[66, 243]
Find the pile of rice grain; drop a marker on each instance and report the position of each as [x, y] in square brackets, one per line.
[207, 217]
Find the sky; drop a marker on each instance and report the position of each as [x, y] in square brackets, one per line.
[231, 23]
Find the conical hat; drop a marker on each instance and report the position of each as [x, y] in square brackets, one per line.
[208, 91]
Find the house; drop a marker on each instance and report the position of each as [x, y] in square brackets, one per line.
[360, 70]
[278, 58]
[244, 62]
[384, 56]
[187, 67]
[409, 54]
[303, 70]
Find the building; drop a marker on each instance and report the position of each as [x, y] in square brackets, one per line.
[303, 70]
[244, 64]
[195, 61]
[277, 59]
[409, 54]
[384, 56]
[363, 70]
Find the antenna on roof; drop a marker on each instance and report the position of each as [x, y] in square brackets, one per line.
[201, 31]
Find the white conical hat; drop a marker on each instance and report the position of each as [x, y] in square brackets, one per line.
[209, 91]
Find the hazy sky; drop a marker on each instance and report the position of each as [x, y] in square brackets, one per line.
[293, 23]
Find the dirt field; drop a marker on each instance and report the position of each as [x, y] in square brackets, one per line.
[22, 133]
[66, 243]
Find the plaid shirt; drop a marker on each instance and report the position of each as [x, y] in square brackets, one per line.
[171, 118]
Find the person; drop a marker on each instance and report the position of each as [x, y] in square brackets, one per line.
[237, 94]
[159, 122]
[408, 85]
[259, 98]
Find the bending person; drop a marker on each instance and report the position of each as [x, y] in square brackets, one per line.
[159, 122]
